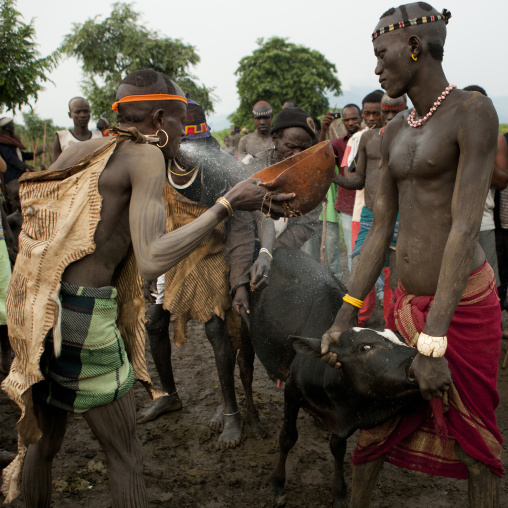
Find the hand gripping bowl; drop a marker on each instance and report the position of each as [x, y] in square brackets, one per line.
[307, 174]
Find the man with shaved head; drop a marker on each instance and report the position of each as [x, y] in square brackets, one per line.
[437, 163]
[79, 113]
[94, 224]
[259, 140]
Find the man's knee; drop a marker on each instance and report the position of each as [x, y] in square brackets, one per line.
[215, 328]
[157, 319]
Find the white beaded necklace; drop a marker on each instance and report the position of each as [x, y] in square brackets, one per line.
[417, 123]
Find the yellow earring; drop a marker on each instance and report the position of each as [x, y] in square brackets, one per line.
[414, 57]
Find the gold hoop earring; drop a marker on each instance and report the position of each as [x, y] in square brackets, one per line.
[167, 138]
[414, 57]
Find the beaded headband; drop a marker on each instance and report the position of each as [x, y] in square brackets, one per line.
[196, 129]
[150, 97]
[268, 112]
[444, 16]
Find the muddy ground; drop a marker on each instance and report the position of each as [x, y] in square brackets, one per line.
[183, 467]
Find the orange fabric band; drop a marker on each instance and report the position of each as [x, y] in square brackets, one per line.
[151, 97]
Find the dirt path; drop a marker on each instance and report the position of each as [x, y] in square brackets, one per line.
[184, 469]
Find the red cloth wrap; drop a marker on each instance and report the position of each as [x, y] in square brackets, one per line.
[424, 440]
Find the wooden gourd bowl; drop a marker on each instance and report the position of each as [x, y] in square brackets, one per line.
[308, 174]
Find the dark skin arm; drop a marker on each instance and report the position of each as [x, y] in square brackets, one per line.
[262, 265]
[477, 143]
[57, 150]
[500, 174]
[357, 179]
[157, 252]
[325, 125]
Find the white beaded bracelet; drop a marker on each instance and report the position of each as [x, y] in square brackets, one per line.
[431, 346]
[266, 251]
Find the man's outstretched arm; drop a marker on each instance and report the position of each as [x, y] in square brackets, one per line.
[357, 179]
[157, 252]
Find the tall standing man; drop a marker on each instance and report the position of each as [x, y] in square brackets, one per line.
[259, 140]
[79, 113]
[437, 168]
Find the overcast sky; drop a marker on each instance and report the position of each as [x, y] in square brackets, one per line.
[225, 31]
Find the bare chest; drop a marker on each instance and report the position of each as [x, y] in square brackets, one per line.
[426, 153]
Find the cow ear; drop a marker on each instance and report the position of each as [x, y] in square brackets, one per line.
[307, 346]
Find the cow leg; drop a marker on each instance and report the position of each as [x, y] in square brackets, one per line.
[157, 330]
[216, 333]
[364, 480]
[245, 361]
[338, 449]
[287, 438]
[483, 484]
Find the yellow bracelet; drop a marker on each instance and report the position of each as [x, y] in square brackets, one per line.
[223, 201]
[353, 301]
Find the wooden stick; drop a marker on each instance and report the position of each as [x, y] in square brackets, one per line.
[44, 143]
[322, 250]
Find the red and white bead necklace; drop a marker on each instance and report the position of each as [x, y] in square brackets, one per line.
[417, 123]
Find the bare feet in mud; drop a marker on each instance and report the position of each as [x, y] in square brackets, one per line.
[232, 434]
[217, 421]
[231, 427]
[163, 405]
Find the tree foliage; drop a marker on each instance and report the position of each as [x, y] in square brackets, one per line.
[279, 71]
[37, 132]
[111, 49]
[22, 70]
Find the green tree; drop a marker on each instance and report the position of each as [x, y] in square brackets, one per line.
[111, 49]
[279, 70]
[37, 133]
[22, 70]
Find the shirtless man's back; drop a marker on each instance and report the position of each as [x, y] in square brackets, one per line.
[132, 212]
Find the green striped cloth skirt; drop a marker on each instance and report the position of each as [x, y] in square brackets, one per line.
[93, 368]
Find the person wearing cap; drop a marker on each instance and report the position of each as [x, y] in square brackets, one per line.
[198, 286]
[12, 151]
[293, 131]
[260, 139]
[94, 226]
[79, 113]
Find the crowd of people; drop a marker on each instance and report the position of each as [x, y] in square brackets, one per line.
[418, 208]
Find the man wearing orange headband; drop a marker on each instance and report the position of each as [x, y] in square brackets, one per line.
[93, 221]
[437, 163]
